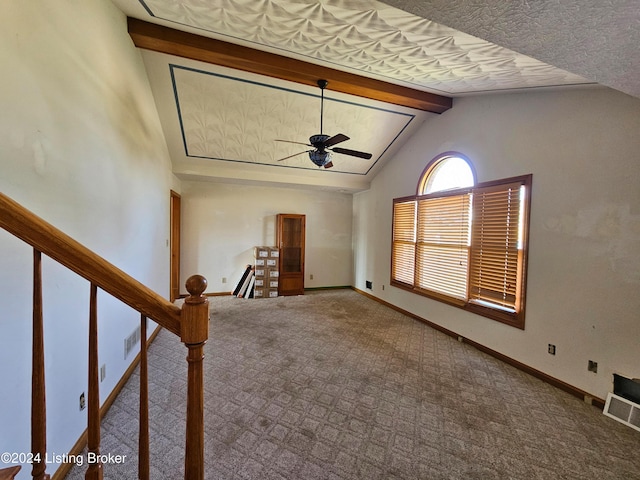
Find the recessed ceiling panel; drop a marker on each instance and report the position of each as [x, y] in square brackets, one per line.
[224, 117]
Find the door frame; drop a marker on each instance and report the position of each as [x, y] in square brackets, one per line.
[174, 245]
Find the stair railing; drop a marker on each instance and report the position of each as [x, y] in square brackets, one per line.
[190, 323]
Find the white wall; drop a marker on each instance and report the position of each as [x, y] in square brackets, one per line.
[221, 223]
[584, 267]
[81, 146]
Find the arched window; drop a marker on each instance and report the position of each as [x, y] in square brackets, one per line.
[446, 172]
[462, 243]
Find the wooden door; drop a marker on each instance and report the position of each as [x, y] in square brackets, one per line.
[290, 239]
[174, 241]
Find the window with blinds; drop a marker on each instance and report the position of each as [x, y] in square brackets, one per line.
[496, 246]
[466, 247]
[404, 241]
[442, 250]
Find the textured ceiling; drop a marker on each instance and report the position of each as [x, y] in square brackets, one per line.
[597, 39]
[223, 124]
[367, 37]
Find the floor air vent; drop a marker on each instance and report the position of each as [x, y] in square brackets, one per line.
[623, 410]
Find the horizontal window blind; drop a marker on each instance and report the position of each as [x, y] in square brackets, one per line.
[442, 244]
[466, 247]
[494, 255]
[404, 242]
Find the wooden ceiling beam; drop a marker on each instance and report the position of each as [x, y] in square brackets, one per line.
[167, 40]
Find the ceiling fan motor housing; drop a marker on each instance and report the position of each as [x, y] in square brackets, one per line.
[318, 141]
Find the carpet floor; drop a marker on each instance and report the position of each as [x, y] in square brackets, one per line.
[333, 385]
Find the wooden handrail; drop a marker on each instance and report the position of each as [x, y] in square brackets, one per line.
[9, 473]
[190, 324]
[47, 239]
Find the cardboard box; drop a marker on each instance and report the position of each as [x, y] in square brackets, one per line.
[273, 284]
[260, 252]
[273, 292]
[259, 282]
[260, 262]
[259, 272]
[272, 262]
[274, 252]
[273, 273]
[258, 293]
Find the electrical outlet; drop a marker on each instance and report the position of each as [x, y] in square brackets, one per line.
[82, 402]
[311, 277]
[551, 349]
[592, 366]
[103, 372]
[224, 279]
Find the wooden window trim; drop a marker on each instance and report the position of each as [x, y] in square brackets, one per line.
[516, 319]
[424, 176]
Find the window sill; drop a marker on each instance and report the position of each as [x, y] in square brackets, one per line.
[512, 319]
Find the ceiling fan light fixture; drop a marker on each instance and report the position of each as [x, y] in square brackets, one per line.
[320, 158]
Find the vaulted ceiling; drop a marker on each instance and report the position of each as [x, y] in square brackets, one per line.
[235, 80]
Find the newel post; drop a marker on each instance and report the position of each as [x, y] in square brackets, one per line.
[194, 332]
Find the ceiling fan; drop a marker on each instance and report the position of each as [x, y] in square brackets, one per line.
[321, 153]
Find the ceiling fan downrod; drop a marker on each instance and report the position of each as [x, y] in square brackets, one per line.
[322, 84]
[323, 145]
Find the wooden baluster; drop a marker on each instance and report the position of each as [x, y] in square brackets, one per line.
[38, 395]
[194, 332]
[143, 439]
[94, 472]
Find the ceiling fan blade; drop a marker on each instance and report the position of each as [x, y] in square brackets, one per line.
[336, 139]
[353, 153]
[294, 155]
[297, 143]
[328, 165]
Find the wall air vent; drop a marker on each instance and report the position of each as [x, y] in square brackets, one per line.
[623, 410]
[131, 341]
